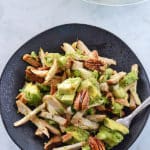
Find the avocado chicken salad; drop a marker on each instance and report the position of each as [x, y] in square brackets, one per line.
[75, 98]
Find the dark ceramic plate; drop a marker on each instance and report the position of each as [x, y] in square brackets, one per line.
[105, 42]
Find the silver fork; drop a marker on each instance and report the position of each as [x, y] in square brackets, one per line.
[127, 120]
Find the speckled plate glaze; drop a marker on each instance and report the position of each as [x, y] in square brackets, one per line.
[105, 42]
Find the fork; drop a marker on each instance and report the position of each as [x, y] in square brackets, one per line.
[127, 120]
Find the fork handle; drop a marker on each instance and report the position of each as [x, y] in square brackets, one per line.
[145, 104]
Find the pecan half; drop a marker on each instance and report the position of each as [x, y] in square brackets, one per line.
[31, 60]
[96, 144]
[82, 100]
[93, 64]
[86, 100]
[32, 77]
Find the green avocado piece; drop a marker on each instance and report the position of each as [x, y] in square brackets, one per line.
[69, 86]
[32, 94]
[78, 134]
[84, 73]
[86, 147]
[49, 58]
[78, 55]
[113, 125]
[119, 92]
[106, 75]
[92, 86]
[130, 78]
[66, 99]
[34, 55]
[111, 138]
[42, 87]
[67, 90]
[117, 108]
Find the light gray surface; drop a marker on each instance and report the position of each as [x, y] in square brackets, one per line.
[20, 20]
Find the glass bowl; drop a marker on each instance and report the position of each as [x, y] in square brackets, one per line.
[114, 2]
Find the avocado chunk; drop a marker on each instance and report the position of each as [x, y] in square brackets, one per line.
[119, 92]
[34, 55]
[42, 87]
[106, 75]
[49, 58]
[77, 133]
[86, 147]
[110, 137]
[92, 86]
[113, 125]
[32, 94]
[85, 74]
[117, 108]
[130, 78]
[67, 90]
[66, 99]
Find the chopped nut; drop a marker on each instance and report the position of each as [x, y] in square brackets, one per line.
[96, 144]
[82, 100]
[93, 64]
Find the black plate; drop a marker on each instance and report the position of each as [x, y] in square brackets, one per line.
[105, 42]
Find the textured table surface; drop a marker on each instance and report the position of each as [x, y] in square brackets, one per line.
[21, 20]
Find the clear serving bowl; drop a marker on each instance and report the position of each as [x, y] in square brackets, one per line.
[114, 2]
